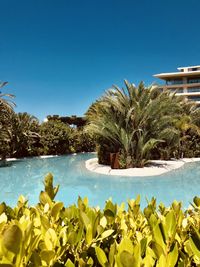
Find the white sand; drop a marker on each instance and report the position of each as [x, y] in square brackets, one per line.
[157, 167]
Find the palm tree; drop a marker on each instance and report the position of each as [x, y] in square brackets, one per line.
[188, 124]
[6, 103]
[6, 112]
[24, 134]
[134, 121]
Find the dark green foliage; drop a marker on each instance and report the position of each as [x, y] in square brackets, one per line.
[138, 123]
[54, 138]
[72, 120]
[82, 141]
[104, 149]
[6, 113]
[21, 135]
[24, 135]
[103, 153]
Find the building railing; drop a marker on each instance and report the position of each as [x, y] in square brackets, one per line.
[193, 89]
[187, 85]
[180, 81]
[193, 80]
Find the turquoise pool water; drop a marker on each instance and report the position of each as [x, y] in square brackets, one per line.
[26, 175]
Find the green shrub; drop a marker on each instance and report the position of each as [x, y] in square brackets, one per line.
[81, 141]
[50, 234]
[54, 138]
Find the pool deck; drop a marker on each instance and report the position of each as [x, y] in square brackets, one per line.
[156, 167]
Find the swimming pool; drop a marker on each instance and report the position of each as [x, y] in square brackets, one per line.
[25, 177]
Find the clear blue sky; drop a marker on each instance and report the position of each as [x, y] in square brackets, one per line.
[61, 55]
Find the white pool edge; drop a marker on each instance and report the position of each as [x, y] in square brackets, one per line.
[159, 167]
[48, 156]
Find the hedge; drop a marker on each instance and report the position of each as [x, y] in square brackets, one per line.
[50, 234]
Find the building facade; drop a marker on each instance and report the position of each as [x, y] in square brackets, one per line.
[185, 82]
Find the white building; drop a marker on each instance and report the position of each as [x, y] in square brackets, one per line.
[185, 82]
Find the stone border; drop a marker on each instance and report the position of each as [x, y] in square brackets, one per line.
[156, 167]
[47, 156]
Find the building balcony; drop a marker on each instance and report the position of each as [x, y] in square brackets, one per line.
[183, 85]
[195, 96]
[189, 94]
[192, 96]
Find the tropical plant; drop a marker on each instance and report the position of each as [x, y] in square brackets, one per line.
[54, 137]
[134, 121]
[24, 136]
[81, 140]
[50, 234]
[72, 120]
[189, 128]
[6, 112]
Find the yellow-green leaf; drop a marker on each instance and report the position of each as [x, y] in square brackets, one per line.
[69, 263]
[44, 198]
[107, 233]
[194, 248]
[127, 260]
[126, 245]
[56, 210]
[89, 236]
[47, 255]
[3, 218]
[50, 239]
[103, 222]
[12, 238]
[172, 257]
[101, 256]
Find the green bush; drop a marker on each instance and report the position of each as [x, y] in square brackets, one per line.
[54, 138]
[50, 234]
[81, 141]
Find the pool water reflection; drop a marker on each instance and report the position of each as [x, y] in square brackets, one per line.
[26, 177]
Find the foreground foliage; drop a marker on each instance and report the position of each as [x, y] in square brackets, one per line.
[50, 234]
